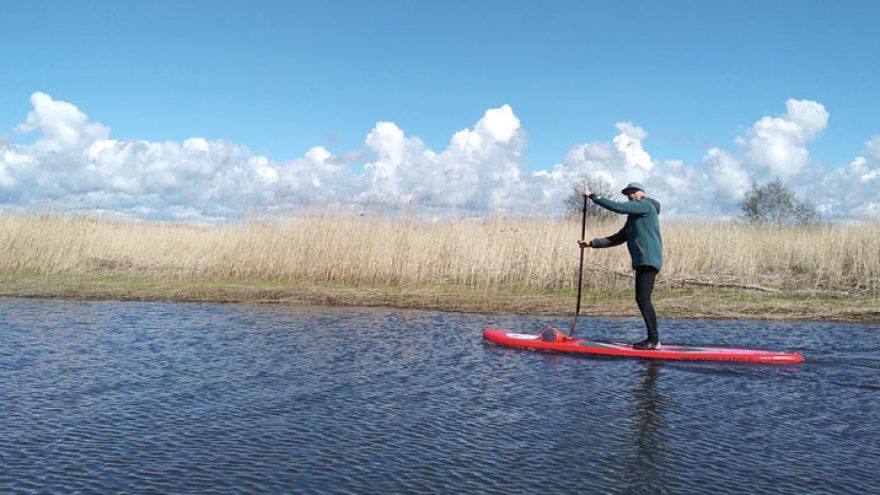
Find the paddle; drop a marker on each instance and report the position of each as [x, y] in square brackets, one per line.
[577, 309]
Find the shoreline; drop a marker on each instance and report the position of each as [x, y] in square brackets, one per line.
[496, 265]
[703, 303]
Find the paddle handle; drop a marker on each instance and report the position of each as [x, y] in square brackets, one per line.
[577, 308]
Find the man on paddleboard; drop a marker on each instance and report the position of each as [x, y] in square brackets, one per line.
[642, 236]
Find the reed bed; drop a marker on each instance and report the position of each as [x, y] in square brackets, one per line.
[525, 255]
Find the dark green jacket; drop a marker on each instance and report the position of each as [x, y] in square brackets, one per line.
[641, 231]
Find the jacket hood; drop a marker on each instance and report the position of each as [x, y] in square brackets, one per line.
[656, 204]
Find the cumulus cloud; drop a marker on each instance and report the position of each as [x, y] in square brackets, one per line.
[479, 170]
[872, 149]
[778, 145]
[75, 165]
[727, 173]
[620, 161]
[774, 146]
[849, 191]
[629, 144]
[61, 125]
[625, 160]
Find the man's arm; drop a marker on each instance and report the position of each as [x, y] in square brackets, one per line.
[627, 207]
[610, 241]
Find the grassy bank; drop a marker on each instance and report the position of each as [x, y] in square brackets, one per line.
[498, 265]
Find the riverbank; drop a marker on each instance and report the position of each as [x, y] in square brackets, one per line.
[522, 266]
[722, 303]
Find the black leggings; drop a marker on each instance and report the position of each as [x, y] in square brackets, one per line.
[645, 276]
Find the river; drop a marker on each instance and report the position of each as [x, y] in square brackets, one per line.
[151, 397]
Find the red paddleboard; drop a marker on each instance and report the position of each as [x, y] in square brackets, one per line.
[535, 342]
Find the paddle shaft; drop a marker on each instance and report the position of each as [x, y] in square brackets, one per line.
[577, 308]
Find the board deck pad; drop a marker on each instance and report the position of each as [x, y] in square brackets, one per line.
[666, 351]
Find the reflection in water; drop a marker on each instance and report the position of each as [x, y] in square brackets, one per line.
[648, 434]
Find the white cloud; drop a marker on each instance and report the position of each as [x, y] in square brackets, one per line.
[849, 191]
[727, 173]
[74, 164]
[839, 193]
[61, 125]
[778, 144]
[872, 149]
[500, 124]
[772, 147]
[616, 163]
[629, 144]
[480, 169]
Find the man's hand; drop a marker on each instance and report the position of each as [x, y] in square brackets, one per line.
[586, 192]
[584, 244]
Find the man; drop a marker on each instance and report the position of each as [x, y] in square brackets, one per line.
[642, 236]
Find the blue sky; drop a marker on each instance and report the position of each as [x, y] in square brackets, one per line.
[262, 84]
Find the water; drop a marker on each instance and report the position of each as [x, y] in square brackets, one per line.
[109, 397]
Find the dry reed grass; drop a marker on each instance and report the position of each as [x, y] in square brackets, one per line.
[525, 255]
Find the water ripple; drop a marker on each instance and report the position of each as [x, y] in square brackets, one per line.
[103, 397]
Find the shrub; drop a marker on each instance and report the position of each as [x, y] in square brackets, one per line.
[774, 203]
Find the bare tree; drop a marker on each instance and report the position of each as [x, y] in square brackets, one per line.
[774, 203]
[574, 202]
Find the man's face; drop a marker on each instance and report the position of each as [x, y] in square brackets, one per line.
[636, 195]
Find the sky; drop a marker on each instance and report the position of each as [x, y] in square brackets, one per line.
[213, 110]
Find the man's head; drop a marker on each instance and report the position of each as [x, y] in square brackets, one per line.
[634, 191]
